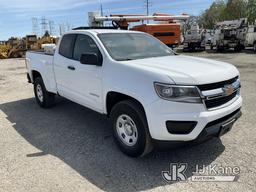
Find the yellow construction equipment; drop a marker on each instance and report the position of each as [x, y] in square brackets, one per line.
[17, 47]
[3, 51]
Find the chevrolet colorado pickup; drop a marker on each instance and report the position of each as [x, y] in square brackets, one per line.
[152, 96]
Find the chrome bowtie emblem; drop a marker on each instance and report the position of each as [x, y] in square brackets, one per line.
[228, 89]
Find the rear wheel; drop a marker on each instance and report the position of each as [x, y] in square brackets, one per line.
[130, 128]
[238, 48]
[211, 46]
[220, 49]
[254, 47]
[44, 98]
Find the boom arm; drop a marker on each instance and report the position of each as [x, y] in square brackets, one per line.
[96, 20]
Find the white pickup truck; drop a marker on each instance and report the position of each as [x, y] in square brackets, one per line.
[153, 96]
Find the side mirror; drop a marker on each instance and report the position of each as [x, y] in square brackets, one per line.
[90, 59]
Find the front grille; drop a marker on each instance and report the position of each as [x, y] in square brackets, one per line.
[219, 101]
[216, 85]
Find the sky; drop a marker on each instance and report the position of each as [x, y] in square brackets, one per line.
[16, 15]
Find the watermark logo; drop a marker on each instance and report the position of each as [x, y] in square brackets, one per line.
[211, 173]
[216, 173]
[176, 172]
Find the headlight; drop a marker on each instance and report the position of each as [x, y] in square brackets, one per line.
[187, 94]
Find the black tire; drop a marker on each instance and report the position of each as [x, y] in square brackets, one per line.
[211, 46]
[254, 47]
[238, 48]
[132, 110]
[47, 99]
[220, 49]
[185, 49]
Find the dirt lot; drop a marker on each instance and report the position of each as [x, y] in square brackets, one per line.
[70, 148]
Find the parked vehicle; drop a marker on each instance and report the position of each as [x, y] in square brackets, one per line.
[209, 36]
[227, 35]
[153, 96]
[194, 38]
[250, 37]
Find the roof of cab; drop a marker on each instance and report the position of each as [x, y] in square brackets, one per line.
[100, 31]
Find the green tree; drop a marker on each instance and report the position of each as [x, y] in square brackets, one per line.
[251, 10]
[235, 9]
[222, 10]
[215, 13]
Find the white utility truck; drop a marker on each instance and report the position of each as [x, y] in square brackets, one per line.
[229, 34]
[195, 38]
[250, 37]
[153, 96]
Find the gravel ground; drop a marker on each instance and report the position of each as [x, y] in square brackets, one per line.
[70, 148]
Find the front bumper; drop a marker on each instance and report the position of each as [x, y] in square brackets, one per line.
[161, 111]
[193, 45]
[229, 44]
[211, 130]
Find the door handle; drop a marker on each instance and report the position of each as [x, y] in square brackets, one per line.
[71, 68]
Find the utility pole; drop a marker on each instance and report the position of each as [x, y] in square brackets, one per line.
[44, 25]
[52, 28]
[62, 29]
[35, 26]
[147, 4]
[101, 8]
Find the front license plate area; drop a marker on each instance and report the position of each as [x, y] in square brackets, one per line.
[226, 127]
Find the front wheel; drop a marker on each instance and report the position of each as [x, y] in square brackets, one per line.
[130, 128]
[44, 98]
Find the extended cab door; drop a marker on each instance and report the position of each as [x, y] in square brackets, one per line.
[75, 81]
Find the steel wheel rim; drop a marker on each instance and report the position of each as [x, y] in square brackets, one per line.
[39, 93]
[126, 130]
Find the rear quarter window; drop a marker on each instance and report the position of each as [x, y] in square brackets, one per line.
[67, 45]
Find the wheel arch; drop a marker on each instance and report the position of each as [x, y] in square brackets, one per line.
[35, 74]
[113, 97]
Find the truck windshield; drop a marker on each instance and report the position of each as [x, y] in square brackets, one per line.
[130, 46]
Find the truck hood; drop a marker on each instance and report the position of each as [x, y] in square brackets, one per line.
[187, 70]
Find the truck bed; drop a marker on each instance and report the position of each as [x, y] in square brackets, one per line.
[41, 52]
[42, 62]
